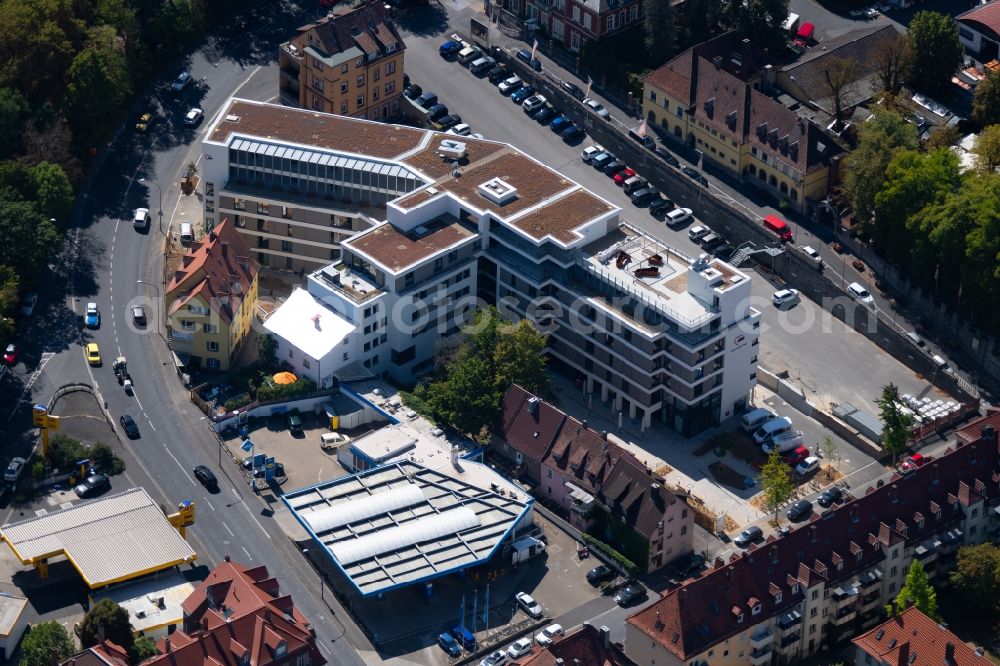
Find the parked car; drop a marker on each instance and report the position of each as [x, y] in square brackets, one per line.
[93, 354]
[613, 167]
[413, 91]
[528, 604]
[464, 637]
[145, 120]
[572, 89]
[597, 108]
[139, 315]
[11, 354]
[260, 473]
[95, 484]
[545, 115]
[461, 129]
[449, 644]
[498, 74]
[913, 462]
[182, 81]
[861, 294]
[644, 196]
[592, 151]
[748, 536]
[688, 565]
[799, 510]
[482, 65]
[194, 116]
[521, 94]
[14, 469]
[140, 219]
[599, 574]
[533, 103]
[206, 477]
[698, 232]
[830, 496]
[449, 121]
[559, 123]
[450, 49]
[667, 156]
[795, 456]
[573, 134]
[509, 85]
[129, 426]
[28, 304]
[600, 160]
[436, 111]
[623, 175]
[660, 206]
[785, 297]
[548, 634]
[427, 99]
[630, 594]
[294, 424]
[93, 317]
[497, 658]
[678, 216]
[694, 175]
[519, 648]
[524, 54]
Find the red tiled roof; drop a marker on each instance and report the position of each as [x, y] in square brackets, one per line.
[984, 18]
[583, 647]
[529, 430]
[674, 78]
[636, 496]
[365, 28]
[584, 455]
[913, 639]
[692, 618]
[220, 268]
[235, 611]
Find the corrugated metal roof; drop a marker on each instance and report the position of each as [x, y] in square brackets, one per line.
[110, 539]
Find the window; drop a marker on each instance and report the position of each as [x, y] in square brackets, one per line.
[576, 14]
[343, 87]
[777, 598]
[652, 95]
[318, 83]
[211, 328]
[390, 87]
[588, 21]
[633, 12]
[756, 610]
[318, 64]
[548, 473]
[360, 101]
[612, 26]
[376, 75]
[892, 572]
[812, 613]
[305, 363]
[343, 107]
[317, 103]
[361, 80]
[212, 346]
[812, 628]
[345, 356]
[212, 364]
[390, 68]
[286, 246]
[343, 68]
[187, 325]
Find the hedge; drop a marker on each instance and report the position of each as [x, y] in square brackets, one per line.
[628, 565]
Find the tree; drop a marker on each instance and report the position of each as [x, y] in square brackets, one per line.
[897, 425]
[106, 620]
[943, 136]
[143, 649]
[27, 238]
[987, 149]
[53, 192]
[917, 591]
[762, 21]
[933, 38]
[47, 643]
[660, 29]
[99, 84]
[40, 39]
[986, 100]
[878, 139]
[519, 359]
[701, 17]
[841, 75]
[776, 482]
[830, 451]
[892, 59]
[267, 352]
[976, 578]
[466, 398]
[13, 113]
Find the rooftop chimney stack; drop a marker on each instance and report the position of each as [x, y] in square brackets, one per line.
[949, 653]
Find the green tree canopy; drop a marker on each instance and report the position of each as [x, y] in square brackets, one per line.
[660, 29]
[897, 425]
[986, 100]
[13, 114]
[45, 644]
[976, 578]
[53, 193]
[98, 85]
[878, 139]
[40, 40]
[467, 397]
[106, 620]
[776, 482]
[933, 37]
[987, 149]
[27, 238]
[762, 21]
[701, 17]
[917, 591]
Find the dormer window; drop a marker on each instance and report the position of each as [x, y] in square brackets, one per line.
[796, 588]
[777, 598]
[840, 565]
[858, 555]
[739, 619]
[937, 514]
[756, 609]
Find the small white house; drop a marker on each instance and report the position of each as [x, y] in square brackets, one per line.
[13, 621]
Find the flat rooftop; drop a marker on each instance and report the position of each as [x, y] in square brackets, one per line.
[403, 523]
[152, 603]
[308, 324]
[108, 540]
[396, 250]
[11, 607]
[550, 204]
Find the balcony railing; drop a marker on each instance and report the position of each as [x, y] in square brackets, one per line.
[761, 639]
[760, 657]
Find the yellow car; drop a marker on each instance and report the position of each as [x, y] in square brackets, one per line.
[145, 120]
[93, 354]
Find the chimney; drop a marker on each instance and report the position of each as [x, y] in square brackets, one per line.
[225, 248]
[717, 61]
[604, 435]
[227, 558]
[949, 653]
[212, 235]
[606, 633]
[533, 406]
[693, 87]
[166, 643]
[904, 655]
[654, 490]
[745, 54]
[893, 608]
[988, 433]
[583, 423]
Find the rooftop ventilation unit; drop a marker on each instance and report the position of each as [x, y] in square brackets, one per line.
[452, 149]
[498, 191]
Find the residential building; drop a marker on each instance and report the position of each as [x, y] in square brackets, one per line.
[13, 622]
[586, 646]
[238, 616]
[831, 577]
[649, 330]
[348, 63]
[910, 638]
[573, 23]
[106, 653]
[806, 78]
[595, 481]
[716, 98]
[211, 299]
[525, 431]
[979, 30]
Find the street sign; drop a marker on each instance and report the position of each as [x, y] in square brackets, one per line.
[259, 460]
[269, 469]
[247, 445]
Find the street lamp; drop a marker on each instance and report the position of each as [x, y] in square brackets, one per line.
[156, 305]
[159, 220]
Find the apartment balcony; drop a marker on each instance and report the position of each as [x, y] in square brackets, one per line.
[871, 601]
[789, 621]
[289, 50]
[869, 578]
[760, 657]
[844, 596]
[352, 284]
[845, 615]
[789, 642]
[762, 639]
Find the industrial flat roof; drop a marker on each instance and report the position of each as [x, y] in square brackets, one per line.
[108, 540]
[402, 523]
[11, 607]
[154, 602]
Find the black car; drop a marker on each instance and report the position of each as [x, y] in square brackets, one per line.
[449, 121]
[599, 574]
[613, 167]
[723, 251]
[206, 477]
[601, 160]
[93, 485]
[413, 91]
[748, 536]
[630, 594]
[689, 564]
[436, 111]
[427, 99]
[644, 195]
[799, 510]
[573, 135]
[830, 496]
[660, 206]
[694, 174]
[498, 74]
[545, 115]
[129, 426]
[524, 54]
[667, 156]
[279, 468]
[573, 90]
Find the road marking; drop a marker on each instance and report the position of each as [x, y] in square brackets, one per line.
[209, 504]
[171, 453]
[254, 518]
[247, 552]
[227, 528]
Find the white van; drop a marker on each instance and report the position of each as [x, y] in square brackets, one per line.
[861, 294]
[187, 233]
[755, 418]
[784, 442]
[791, 23]
[468, 54]
[331, 441]
[772, 428]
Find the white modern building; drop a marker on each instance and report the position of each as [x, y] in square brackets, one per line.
[436, 222]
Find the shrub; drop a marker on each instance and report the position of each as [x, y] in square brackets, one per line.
[277, 392]
[628, 565]
[64, 451]
[105, 459]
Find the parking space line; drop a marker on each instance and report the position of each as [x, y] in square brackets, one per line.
[209, 504]
[171, 454]
[247, 552]
[227, 528]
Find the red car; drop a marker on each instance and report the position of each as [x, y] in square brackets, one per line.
[11, 353]
[913, 462]
[623, 175]
[795, 456]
